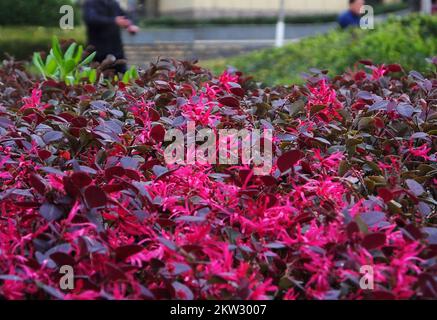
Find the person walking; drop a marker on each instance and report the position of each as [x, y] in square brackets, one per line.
[104, 20]
[352, 16]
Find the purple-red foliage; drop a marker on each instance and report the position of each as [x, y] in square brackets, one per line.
[83, 182]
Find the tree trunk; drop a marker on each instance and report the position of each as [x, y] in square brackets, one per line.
[152, 8]
[415, 5]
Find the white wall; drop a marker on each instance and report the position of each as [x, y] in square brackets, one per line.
[250, 7]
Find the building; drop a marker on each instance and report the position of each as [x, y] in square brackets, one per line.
[237, 8]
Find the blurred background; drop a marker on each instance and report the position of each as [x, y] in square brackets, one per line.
[240, 33]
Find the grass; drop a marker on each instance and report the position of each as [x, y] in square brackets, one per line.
[21, 42]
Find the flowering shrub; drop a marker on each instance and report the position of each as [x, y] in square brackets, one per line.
[84, 184]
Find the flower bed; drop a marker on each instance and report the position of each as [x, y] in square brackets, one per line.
[84, 184]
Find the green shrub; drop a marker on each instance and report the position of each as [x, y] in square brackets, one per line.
[32, 12]
[70, 67]
[21, 42]
[408, 41]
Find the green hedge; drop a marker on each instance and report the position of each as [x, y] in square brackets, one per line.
[32, 12]
[408, 41]
[21, 42]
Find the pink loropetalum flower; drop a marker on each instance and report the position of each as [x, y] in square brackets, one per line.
[379, 72]
[421, 151]
[34, 101]
[226, 78]
[323, 95]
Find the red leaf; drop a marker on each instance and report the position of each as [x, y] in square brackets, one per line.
[289, 159]
[38, 184]
[229, 101]
[154, 115]
[22, 204]
[150, 164]
[114, 272]
[237, 91]
[133, 174]
[352, 228]
[89, 88]
[70, 187]
[366, 62]
[122, 253]
[110, 188]
[383, 295]
[62, 259]
[95, 197]
[67, 116]
[79, 122]
[158, 133]
[394, 68]
[112, 172]
[268, 180]
[374, 240]
[385, 194]
[81, 179]
[414, 232]
[44, 154]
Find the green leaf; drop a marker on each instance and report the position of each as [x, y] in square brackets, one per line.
[88, 59]
[56, 49]
[38, 62]
[69, 66]
[126, 77]
[70, 51]
[69, 80]
[134, 73]
[92, 77]
[78, 55]
[51, 66]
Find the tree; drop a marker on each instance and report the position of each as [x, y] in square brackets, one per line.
[149, 8]
[32, 12]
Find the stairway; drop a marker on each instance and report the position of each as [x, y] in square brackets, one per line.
[142, 54]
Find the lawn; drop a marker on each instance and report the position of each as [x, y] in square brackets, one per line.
[22, 41]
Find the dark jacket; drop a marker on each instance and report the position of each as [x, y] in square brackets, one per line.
[103, 33]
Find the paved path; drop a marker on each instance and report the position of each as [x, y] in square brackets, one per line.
[232, 32]
[226, 33]
[209, 42]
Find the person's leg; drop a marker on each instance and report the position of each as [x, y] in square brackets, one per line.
[120, 68]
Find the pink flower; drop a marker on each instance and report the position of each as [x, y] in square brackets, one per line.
[34, 101]
[379, 72]
[323, 95]
[421, 151]
[226, 78]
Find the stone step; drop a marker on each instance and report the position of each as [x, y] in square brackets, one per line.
[142, 54]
